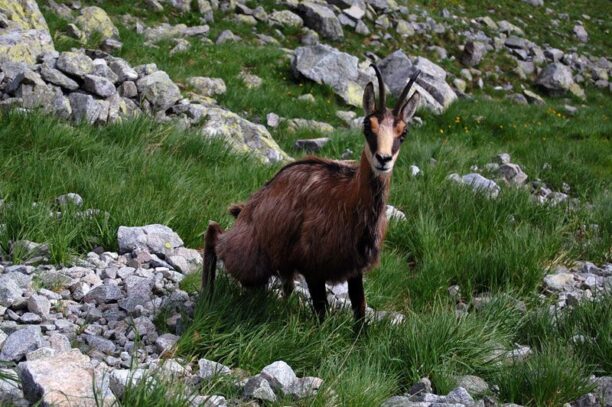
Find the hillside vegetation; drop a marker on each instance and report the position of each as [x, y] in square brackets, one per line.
[467, 271]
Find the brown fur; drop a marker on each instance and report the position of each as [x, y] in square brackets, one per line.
[320, 218]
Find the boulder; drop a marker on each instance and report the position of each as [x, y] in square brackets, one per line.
[556, 78]
[209, 369]
[258, 388]
[326, 65]
[55, 77]
[10, 292]
[94, 20]
[99, 86]
[207, 86]
[321, 19]
[473, 52]
[481, 184]
[242, 136]
[397, 68]
[185, 260]
[280, 376]
[24, 34]
[155, 238]
[285, 18]
[159, 90]
[21, 342]
[513, 173]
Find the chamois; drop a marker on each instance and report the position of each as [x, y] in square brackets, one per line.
[320, 218]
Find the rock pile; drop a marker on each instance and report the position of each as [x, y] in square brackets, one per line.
[97, 88]
[582, 281]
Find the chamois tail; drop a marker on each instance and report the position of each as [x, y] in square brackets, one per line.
[210, 257]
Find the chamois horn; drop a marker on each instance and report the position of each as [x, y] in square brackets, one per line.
[381, 89]
[400, 101]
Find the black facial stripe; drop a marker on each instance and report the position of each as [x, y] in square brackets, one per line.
[396, 145]
[371, 138]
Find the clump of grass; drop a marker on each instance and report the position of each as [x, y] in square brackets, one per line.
[551, 377]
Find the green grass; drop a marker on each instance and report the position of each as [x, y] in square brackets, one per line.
[142, 172]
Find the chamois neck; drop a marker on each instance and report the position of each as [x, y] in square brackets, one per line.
[373, 188]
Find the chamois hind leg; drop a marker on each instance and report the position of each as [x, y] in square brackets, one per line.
[210, 257]
[288, 286]
[318, 296]
[357, 296]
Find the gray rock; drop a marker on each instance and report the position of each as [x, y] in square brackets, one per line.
[75, 63]
[397, 68]
[98, 85]
[421, 387]
[227, 36]
[10, 292]
[185, 260]
[30, 318]
[258, 388]
[84, 107]
[39, 304]
[103, 294]
[68, 199]
[59, 342]
[481, 184]
[138, 293]
[155, 238]
[285, 18]
[94, 20]
[311, 145]
[272, 120]
[159, 90]
[473, 52]
[556, 78]
[558, 281]
[403, 401]
[513, 174]
[100, 344]
[460, 396]
[167, 31]
[207, 86]
[165, 342]
[55, 77]
[326, 65]
[395, 214]
[474, 385]
[123, 70]
[280, 376]
[21, 342]
[305, 387]
[128, 89]
[120, 379]
[250, 81]
[242, 136]
[580, 33]
[321, 19]
[209, 369]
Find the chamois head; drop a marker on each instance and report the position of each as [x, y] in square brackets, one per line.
[385, 129]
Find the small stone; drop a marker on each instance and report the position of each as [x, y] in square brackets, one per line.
[207, 86]
[209, 369]
[100, 344]
[311, 145]
[123, 70]
[305, 387]
[69, 199]
[559, 281]
[56, 77]
[258, 388]
[474, 385]
[280, 376]
[395, 214]
[580, 33]
[30, 318]
[103, 294]
[461, 396]
[513, 174]
[165, 342]
[272, 120]
[227, 36]
[21, 342]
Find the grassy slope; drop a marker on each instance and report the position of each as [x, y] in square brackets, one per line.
[141, 173]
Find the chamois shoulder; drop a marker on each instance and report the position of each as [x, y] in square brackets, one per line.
[344, 168]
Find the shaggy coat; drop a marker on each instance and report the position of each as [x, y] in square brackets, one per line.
[320, 218]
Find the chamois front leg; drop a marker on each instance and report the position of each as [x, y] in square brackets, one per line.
[357, 296]
[288, 286]
[318, 296]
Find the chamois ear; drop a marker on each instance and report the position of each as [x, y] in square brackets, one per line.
[410, 107]
[369, 99]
